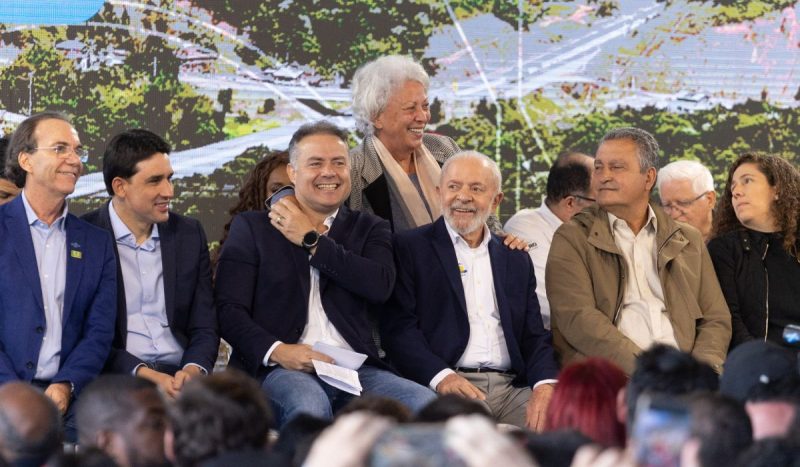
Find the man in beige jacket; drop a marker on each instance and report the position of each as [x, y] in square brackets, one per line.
[623, 276]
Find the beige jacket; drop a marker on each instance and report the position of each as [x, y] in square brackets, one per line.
[585, 286]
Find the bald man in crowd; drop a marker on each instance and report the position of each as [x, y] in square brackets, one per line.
[30, 425]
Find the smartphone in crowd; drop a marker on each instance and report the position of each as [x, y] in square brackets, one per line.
[661, 427]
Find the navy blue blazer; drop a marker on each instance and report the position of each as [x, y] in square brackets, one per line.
[262, 284]
[89, 300]
[425, 329]
[188, 295]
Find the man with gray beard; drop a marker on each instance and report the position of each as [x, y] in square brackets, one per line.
[464, 318]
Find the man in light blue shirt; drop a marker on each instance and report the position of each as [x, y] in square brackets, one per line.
[59, 288]
[166, 323]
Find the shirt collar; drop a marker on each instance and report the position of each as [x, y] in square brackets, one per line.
[549, 216]
[122, 232]
[455, 237]
[652, 221]
[33, 218]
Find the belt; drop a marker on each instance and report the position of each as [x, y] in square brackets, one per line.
[486, 370]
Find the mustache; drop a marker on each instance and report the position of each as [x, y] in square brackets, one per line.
[467, 206]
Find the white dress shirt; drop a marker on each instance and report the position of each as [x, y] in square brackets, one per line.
[537, 227]
[318, 327]
[486, 347]
[643, 318]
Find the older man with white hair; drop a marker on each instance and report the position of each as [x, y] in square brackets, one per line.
[686, 190]
[464, 318]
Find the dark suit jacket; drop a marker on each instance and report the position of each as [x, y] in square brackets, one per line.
[89, 297]
[187, 292]
[425, 329]
[263, 280]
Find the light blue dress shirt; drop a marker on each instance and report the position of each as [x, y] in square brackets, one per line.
[50, 245]
[149, 336]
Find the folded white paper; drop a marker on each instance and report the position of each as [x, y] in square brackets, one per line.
[338, 377]
[341, 357]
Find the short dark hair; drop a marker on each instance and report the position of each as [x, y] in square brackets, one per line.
[3, 148]
[666, 370]
[297, 436]
[448, 406]
[219, 413]
[322, 127]
[127, 149]
[722, 427]
[770, 452]
[567, 179]
[30, 448]
[555, 448]
[22, 140]
[376, 405]
[645, 143]
[107, 404]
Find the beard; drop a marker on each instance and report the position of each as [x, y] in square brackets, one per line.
[465, 227]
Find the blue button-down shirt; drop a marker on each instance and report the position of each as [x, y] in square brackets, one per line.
[149, 336]
[50, 245]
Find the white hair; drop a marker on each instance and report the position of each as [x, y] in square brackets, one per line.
[486, 160]
[374, 83]
[700, 177]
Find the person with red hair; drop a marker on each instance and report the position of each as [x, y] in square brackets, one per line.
[585, 400]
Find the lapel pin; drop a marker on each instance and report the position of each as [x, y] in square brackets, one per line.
[76, 254]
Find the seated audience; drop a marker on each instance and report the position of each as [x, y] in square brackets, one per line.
[585, 400]
[756, 246]
[58, 287]
[8, 190]
[166, 326]
[305, 273]
[221, 420]
[124, 416]
[464, 318]
[267, 177]
[569, 190]
[720, 431]
[686, 191]
[623, 276]
[664, 370]
[30, 425]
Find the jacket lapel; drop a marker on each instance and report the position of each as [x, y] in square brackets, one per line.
[75, 261]
[17, 225]
[339, 231]
[443, 247]
[169, 266]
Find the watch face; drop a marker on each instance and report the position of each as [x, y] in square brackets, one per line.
[310, 239]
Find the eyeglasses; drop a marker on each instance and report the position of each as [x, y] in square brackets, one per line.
[585, 198]
[682, 204]
[62, 151]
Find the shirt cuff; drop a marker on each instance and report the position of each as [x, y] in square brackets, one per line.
[272, 348]
[136, 368]
[202, 370]
[439, 377]
[545, 381]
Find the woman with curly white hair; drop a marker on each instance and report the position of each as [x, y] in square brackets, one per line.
[396, 168]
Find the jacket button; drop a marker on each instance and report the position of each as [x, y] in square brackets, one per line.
[39, 329]
[29, 365]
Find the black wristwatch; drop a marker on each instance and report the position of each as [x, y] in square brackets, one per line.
[310, 240]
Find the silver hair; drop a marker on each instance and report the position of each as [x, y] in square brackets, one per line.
[375, 82]
[698, 174]
[470, 154]
[645, 142]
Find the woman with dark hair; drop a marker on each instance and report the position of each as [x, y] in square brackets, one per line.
[755, 247]
[267, 177]
[585, 400]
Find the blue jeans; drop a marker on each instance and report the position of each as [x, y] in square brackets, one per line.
[294, 392]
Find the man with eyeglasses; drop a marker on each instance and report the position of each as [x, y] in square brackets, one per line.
[569, 190]
[58, 287]
[686, 190]
[623, 276]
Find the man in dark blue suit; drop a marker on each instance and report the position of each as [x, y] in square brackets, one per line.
[166, 322]
[58, 286]
[305, 273]
[464, 318]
